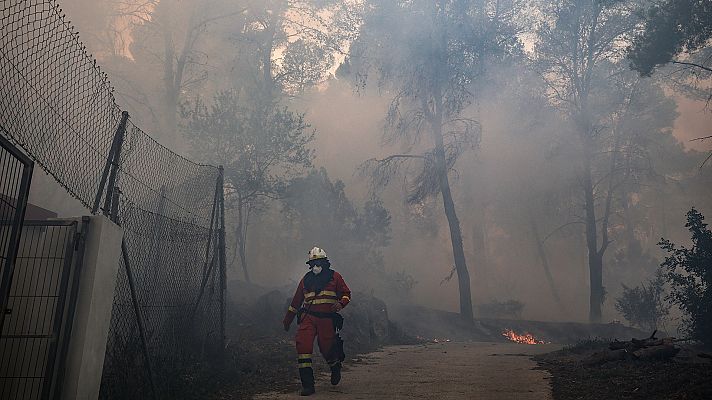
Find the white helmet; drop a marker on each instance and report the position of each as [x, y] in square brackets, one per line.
[316, 253]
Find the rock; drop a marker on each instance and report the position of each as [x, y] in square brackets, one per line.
[366, 325]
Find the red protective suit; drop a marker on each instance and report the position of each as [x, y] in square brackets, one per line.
[311, 326]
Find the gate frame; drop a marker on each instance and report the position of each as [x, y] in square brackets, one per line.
[63, 317]
[17, 223]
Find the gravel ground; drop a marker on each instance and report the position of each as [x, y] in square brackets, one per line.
[453, 370]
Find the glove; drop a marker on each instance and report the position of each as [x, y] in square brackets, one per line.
[337, 307]
[286, 326]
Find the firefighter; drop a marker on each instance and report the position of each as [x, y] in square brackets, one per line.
[321, 294]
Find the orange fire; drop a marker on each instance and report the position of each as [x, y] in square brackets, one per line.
[526, 338]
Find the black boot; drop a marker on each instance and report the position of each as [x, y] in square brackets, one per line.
[336, 373]
[307, 391]
[307, 377]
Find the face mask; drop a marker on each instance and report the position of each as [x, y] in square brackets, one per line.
[316, 270]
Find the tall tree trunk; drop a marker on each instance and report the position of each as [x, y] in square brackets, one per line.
[463, 275]
[243, 259]
[170, 117]
[631, 241]
[582, 261]
[169, 102]
[596, 276]
[626, 204]
[241, 237]
[541, 251]
[595, 260]
[174, 68]
[268, 89]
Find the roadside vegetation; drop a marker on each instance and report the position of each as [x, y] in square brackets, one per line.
[651, 368]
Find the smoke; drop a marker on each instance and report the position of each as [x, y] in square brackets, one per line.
[515, 193]
[519, 169]
[694, 121]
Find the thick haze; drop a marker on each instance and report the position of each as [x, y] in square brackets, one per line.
[516, 193]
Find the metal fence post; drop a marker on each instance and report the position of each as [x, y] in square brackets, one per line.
[111, 185]
[111, 166]
[113, 211]
[213, 228]
[209, 262]
[139, 318]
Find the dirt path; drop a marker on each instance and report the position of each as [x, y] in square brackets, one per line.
[439, 371]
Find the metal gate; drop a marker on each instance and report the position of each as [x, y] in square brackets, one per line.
[41, 301]
[15, 175]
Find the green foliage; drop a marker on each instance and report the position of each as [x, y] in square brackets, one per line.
[672, 27]
[613, 113]
[643, 306]
[318, 212]
[304, 65]
[577, 54]
[428, 56]
[288, 46]
[314, 203]
[259, 147]
[689, 272]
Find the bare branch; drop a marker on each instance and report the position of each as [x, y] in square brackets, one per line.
[382, 171]
[706, 159]
[693, 65]
[394, 156]
[552, 233]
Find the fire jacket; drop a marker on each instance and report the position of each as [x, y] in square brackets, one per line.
[334, 292]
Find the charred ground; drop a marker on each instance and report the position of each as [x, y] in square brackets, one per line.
[576, 376]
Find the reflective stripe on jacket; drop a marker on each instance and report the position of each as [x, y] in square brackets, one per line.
[335, 291]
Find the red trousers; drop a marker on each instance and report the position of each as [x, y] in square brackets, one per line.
[323, 330]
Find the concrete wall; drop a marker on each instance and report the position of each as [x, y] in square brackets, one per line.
[85, 359]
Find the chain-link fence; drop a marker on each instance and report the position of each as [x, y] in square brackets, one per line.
[58, 106]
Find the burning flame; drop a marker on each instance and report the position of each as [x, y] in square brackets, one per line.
[526, 338]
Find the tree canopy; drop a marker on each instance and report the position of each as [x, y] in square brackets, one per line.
[673, 28]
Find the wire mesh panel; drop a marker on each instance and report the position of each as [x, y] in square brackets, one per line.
[58, 106]
[38, 303]
[15, 175]
[55, 102]
[180, 328]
